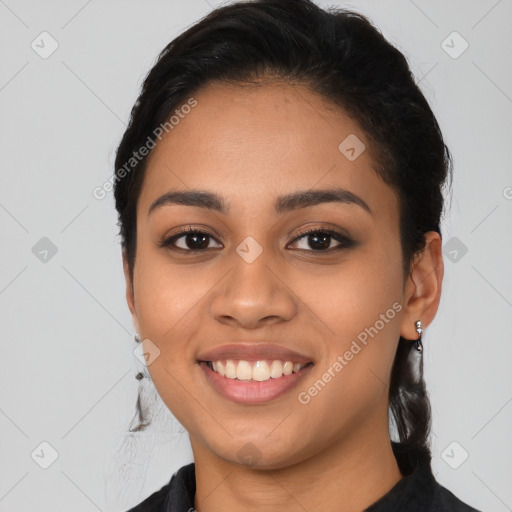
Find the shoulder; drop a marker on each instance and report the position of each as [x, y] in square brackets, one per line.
[177, 494]
[155, 502]
[446, 501]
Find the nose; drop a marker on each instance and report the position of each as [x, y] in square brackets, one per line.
[254, 294]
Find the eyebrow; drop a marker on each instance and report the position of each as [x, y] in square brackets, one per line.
[283, 204]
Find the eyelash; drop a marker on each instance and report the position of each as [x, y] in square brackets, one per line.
[345, 242]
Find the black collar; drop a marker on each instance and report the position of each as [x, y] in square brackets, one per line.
[416, 490]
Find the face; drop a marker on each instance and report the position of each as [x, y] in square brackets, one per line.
[251, 276]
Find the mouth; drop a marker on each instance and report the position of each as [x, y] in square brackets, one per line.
[253, 382]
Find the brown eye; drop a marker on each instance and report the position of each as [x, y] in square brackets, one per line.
[194, 240]
[319, 240]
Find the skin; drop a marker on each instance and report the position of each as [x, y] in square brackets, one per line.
[250, 145]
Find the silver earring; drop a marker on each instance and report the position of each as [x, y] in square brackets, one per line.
[417, 344]
[139, 375]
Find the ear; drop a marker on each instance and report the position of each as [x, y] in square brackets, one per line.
[423, 287]
[130, 295]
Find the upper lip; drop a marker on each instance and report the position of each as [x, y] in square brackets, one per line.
[251, 351]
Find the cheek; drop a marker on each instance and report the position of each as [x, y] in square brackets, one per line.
[351, 381]
[353, 296]
[358, 314]
[168, 305]
[166, 294]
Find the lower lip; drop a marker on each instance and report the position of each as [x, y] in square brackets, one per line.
[253, 392]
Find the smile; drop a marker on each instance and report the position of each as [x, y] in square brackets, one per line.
[253, 382]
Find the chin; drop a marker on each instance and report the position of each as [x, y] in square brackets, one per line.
[260, 454]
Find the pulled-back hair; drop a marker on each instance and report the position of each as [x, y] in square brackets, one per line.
[342, 57]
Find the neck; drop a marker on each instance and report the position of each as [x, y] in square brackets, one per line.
[346, 476]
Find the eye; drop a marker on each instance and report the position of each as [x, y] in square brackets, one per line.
[319, 239]
[194, 240]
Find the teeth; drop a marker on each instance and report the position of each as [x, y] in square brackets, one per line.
[244, 371]
[259, 371]
[276, 369]
[230, 369]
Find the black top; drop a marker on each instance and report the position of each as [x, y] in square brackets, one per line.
[417, 491]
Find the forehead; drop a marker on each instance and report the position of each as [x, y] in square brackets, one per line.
[256, 142]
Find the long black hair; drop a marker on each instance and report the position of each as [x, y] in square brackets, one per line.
[344, 58]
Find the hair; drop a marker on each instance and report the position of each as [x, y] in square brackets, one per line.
[344, 58]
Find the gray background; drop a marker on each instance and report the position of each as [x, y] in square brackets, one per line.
[67, 362]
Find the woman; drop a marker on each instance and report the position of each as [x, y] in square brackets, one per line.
[279, 191]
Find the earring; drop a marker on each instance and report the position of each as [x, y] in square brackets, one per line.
[139, 375]
[417, 344]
